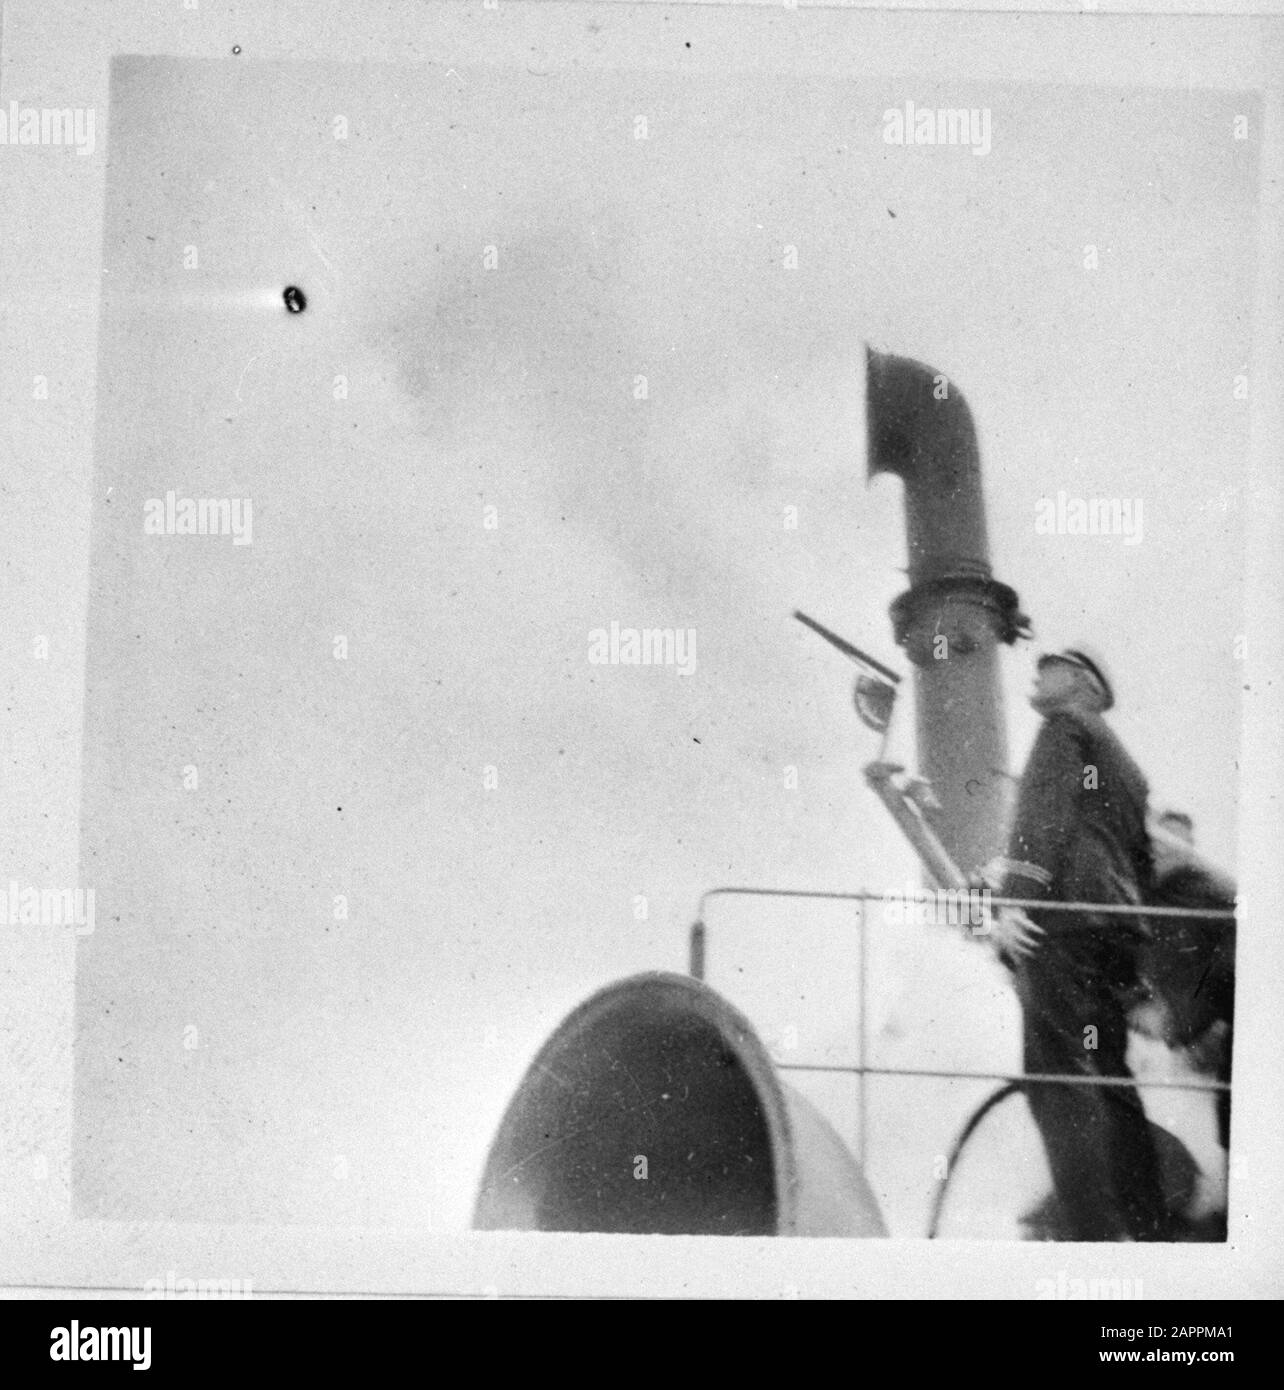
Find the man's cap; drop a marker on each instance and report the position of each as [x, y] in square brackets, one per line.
[1090, 660]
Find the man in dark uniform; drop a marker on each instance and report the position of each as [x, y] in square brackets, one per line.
[1080, 836]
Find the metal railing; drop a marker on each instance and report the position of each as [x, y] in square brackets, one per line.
[862, 1069]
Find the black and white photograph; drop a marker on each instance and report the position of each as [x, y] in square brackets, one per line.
[631, 625]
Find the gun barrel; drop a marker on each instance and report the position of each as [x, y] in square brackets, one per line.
[844, 646]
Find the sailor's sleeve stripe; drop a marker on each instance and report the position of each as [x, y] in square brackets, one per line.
[1024, 869]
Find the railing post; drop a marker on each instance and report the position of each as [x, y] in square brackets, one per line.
[697, 950]
[860, 1055]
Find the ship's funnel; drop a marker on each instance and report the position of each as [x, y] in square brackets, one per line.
[954, 613]
[654, 1108]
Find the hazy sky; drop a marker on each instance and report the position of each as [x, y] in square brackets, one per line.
[492, 260]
